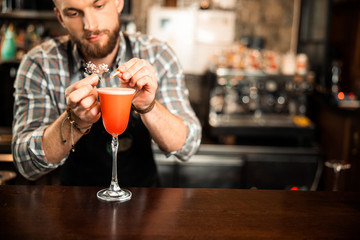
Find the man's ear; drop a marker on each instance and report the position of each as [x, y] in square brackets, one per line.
[119, 5]
[59, 17]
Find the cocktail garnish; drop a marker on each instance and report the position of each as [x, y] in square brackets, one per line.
[99, 70]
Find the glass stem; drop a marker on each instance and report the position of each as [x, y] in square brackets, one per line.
[114, 179]
[337, 170]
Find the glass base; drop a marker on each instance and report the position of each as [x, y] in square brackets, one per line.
[122, 195]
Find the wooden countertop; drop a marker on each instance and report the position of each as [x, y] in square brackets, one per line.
[58, 212]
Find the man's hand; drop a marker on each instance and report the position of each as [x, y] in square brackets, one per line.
[139, 74]
[82, 97]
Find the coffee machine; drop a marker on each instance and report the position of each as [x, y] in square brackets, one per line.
[256, 105]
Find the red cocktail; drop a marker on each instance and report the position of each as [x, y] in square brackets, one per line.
[115, 109]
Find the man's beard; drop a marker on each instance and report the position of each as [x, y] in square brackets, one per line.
[95, 50]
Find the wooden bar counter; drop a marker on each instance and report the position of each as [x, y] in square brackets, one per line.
[58, 212]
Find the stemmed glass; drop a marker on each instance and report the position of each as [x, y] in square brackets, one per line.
[337, 167]
[115, 109]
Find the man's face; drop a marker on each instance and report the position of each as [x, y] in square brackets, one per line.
[92, 24]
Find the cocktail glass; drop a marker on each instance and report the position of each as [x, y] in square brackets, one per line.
[337, 166]
[115, 109]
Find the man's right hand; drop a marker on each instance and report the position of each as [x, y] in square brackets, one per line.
[81, 98]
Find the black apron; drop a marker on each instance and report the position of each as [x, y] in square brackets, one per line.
[91, 163]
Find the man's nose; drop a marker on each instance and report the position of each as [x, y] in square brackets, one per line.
[90, 21]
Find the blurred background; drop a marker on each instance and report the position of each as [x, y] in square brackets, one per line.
[275, 85]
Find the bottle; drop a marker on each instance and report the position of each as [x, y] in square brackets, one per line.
[8, 49]
[335, 76]
[301, 64]
[288, 64]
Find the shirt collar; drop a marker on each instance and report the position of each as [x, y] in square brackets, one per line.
[79, 63]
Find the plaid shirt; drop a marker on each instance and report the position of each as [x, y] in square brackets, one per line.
[48, 69]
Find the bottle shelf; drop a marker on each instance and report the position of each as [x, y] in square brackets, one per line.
[28, 15]
[43, 15]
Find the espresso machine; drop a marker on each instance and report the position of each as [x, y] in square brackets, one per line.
[256, 105]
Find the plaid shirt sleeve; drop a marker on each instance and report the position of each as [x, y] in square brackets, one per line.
[34, 110]
[173, 94]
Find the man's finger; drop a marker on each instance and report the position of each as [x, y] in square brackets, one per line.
[90, 80]
[77, 95]
[93, 80]
[88, 101]
[131, 67]
[125, 66]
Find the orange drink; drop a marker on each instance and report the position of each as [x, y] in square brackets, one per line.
[115, 108]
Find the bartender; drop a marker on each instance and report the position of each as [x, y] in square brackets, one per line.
[57, 117]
